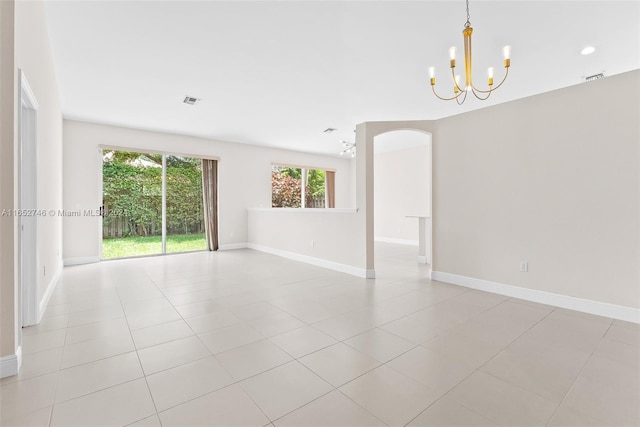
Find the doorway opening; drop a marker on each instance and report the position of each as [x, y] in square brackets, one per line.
[152, 204]
[402, 175]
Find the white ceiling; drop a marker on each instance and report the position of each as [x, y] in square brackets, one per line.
[277, 73]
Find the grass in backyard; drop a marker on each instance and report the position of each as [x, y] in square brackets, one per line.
[136, 246]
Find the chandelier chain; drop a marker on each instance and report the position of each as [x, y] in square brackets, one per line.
[468, 23]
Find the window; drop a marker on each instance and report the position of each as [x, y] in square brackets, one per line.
[295, 187]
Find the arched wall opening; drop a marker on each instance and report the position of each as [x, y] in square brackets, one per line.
[366, 134]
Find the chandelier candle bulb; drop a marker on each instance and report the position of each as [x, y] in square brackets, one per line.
[490, 75]
[506, 51]
[452, 56]
[432, 75]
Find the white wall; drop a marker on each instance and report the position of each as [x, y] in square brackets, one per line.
[25, 46]
[352, 182]
[325, 237]
[553, 180]
[244, 178]
[34, 57]
[8, 311]
[402, 186]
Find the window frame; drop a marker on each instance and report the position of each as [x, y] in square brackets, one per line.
[304, 174]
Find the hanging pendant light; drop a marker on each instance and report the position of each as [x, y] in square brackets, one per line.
[348, 148]
[460, 92]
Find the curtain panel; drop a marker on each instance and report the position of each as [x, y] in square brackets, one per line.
[210, 201]
[330, 177]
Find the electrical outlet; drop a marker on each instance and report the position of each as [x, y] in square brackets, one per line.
[524, 266]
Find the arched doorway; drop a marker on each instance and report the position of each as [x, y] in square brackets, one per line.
[365, 135]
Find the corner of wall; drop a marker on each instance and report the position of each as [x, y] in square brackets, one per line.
[8, 77]
[10, 365]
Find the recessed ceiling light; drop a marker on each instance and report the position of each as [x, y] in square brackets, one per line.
[588, 50]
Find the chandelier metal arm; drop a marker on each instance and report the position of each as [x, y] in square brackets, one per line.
[475, 93]
[464, 98]
[455, 83]
[433, 88]
[492, 88]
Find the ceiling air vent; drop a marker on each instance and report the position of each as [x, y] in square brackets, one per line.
[594, 77]
[190, 100]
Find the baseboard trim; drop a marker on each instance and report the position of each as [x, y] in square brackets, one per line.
[233, 246]
[10, 365]
[319, 262]
[44, 302]
[396, 241]
[81, 260]
[557, 300]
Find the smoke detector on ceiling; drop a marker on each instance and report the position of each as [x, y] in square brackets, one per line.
[190, 100]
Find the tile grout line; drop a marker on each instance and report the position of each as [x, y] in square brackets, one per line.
[478, 368]
[211, 354]
[53, 404]
[194, 334]
[337, 388]
[144, 374]
[237, 382]
[573, 383]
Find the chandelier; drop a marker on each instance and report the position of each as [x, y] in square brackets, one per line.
[348, 148]
[460, 92]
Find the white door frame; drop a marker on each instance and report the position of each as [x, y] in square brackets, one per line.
[28, 200]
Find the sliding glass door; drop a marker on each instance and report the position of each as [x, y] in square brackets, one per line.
[185, 222]
[132, 203]
[145, 194]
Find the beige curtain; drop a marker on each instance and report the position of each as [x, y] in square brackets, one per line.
[210, 199]
[330, 176]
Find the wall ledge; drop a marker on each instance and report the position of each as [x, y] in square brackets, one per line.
[557, 300]
[306, 210]
[10, 365]
[343, 268]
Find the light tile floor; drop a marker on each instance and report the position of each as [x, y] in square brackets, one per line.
[242, 338]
